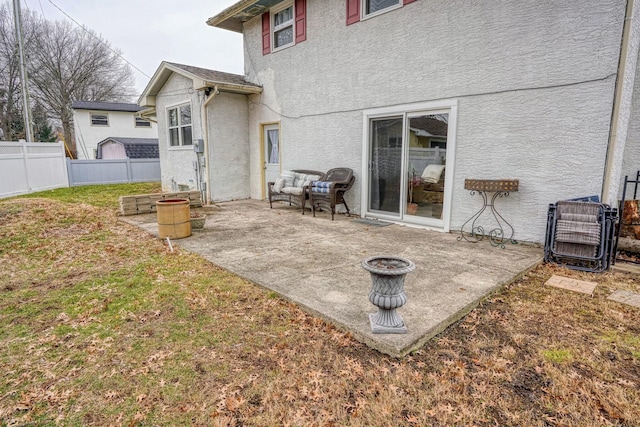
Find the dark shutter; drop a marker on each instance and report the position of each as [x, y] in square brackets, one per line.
[266, 33]
[301, 20]
[353, 11]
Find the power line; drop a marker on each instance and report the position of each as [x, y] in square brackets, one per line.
[100, 40]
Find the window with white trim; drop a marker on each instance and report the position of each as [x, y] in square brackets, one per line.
[373, 6]
[283, 27]
[99, 119]
[142, 123]
[179, 124]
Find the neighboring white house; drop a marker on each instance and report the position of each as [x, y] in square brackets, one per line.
[96, 121]
[540, 91]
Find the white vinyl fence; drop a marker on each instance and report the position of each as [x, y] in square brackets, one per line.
[26, 167]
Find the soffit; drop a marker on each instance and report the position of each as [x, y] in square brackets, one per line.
[234, 16]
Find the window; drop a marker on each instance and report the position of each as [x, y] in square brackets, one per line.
[362, 9]
[284, 27]
[142, 123]
[373, 6]
[99, 119]
[179, 119]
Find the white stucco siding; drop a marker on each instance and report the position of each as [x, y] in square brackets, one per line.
[534, 82]
[176, 163]
[631, 161]
[557, 152]
[121, 123]
[228, 117]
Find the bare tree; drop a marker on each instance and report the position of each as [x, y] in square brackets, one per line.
[11, 117]
[68, 63]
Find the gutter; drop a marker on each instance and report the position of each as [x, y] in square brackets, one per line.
[206, 142]
[617, 100]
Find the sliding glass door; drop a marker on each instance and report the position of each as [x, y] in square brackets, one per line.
[408, 155]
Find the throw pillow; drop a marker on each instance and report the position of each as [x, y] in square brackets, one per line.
[432, 173]
[278, 185]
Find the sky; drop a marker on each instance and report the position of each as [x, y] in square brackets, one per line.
[148, 32]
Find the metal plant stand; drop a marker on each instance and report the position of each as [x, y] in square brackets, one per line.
[504, 231]
[387, 292]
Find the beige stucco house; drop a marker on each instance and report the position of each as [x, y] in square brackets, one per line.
[545, 92]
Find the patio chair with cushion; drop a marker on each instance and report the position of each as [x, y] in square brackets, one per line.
[329, 192]
[580, 235]
[293, 186]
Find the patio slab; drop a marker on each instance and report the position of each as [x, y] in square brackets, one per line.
[316, 263]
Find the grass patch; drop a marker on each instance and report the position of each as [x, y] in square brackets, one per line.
[557, 355]
[102, 325]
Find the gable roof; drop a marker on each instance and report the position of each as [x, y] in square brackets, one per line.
[136, 148]
[234, 16]
[202, 78]
[105, 106]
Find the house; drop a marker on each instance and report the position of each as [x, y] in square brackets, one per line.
[96, 121]
[128, 148]
[544, 92]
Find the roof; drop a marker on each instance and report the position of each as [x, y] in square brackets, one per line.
[136, 148]
[105, 106]
[234, 16]
[202, 78]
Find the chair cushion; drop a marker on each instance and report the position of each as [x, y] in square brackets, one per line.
[321, 184]
[297, 191]
[289, 177]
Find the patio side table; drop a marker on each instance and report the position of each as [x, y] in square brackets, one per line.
[500, 188]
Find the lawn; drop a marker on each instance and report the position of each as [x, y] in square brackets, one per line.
[101, 324]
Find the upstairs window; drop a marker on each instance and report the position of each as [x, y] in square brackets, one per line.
[283, 28]
[142, 123]
[362, 9]
[99, 119]
[179, 120]
[373, 6]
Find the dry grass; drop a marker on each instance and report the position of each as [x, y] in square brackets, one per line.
[102, 325]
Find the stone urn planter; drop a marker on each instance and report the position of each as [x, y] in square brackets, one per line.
[387, 292]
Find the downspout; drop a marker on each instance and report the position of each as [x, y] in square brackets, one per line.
[205, 122]
[617, 100]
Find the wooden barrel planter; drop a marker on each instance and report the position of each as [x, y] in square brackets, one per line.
[174, 218]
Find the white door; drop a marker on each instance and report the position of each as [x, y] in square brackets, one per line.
[271, 149]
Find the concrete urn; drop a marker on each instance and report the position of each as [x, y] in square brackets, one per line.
[387, 292]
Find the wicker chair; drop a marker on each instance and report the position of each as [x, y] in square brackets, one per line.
[580, 235]
[293, 198]
[330, 191]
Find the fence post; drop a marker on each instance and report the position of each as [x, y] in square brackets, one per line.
[129, 171]
[25, 158]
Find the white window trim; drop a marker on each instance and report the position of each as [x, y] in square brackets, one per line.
[274, 29]
[363, 8]
[181, 146]
[98, 114]
[406, 111]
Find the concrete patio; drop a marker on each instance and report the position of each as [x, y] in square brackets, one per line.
[316, 263]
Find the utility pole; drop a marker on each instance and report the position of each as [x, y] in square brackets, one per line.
[17, 17]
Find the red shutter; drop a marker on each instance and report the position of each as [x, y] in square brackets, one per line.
[301, 20]
[353, 11]
[408, 1]
[266, 33]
